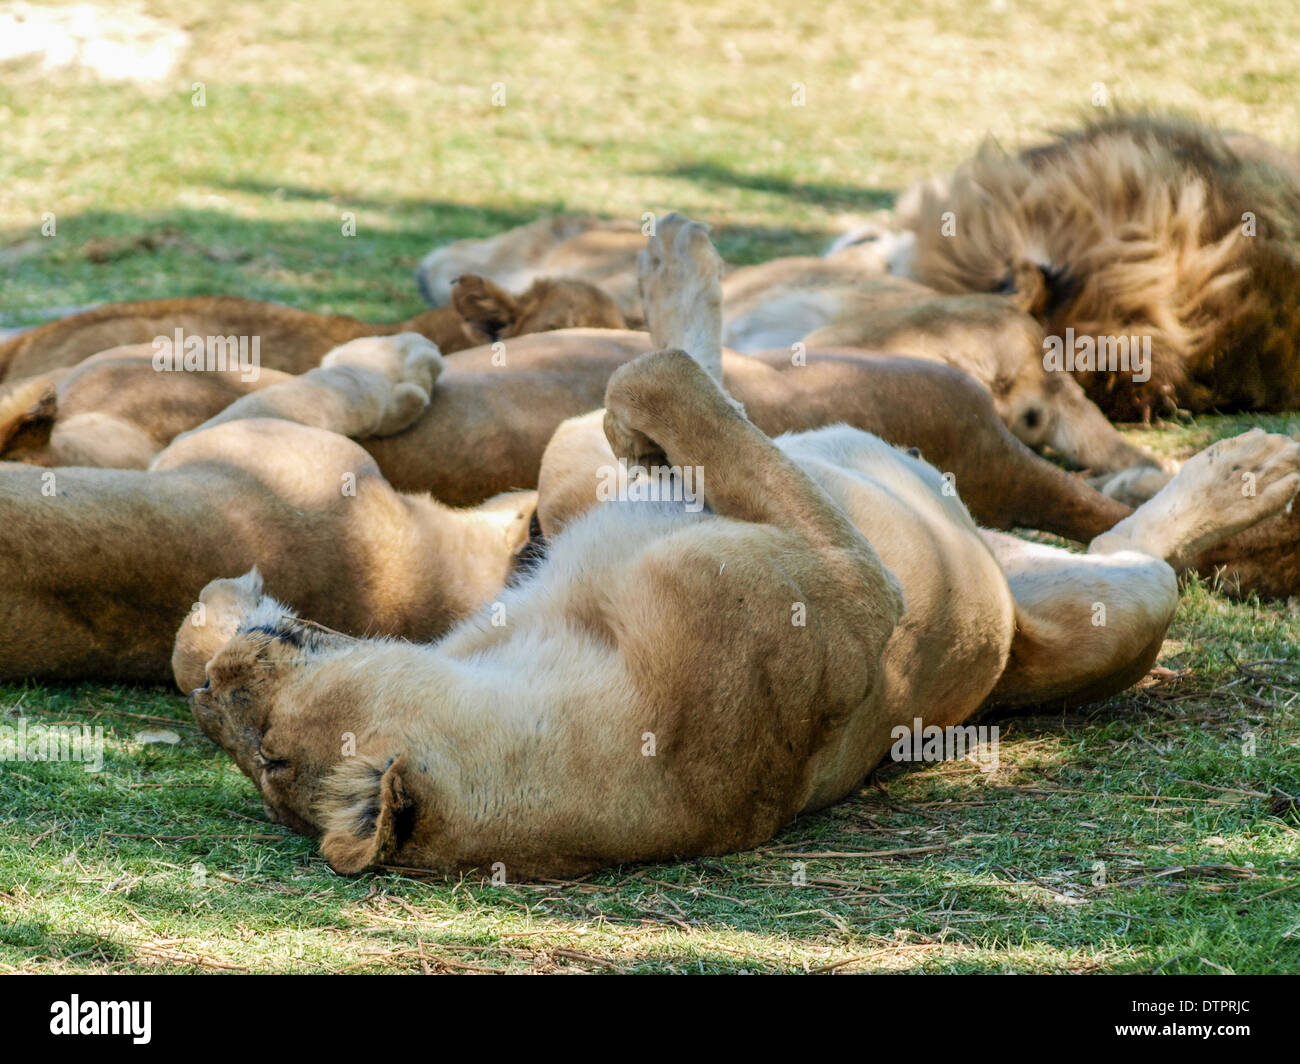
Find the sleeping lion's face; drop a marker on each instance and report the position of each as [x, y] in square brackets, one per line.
[286, 735]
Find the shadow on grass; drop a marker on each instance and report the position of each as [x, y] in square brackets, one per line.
[102, 256]
[820, 194]
[35, 939]
[98, 256]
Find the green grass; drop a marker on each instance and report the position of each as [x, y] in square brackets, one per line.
[1139, 835]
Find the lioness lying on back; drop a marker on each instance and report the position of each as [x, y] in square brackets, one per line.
[669, 682]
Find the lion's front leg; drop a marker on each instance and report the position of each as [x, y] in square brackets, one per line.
[373, 386]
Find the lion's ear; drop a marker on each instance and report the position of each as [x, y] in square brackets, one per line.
[365, 813]
[1040, 291]
[27, 416]
[483, 304]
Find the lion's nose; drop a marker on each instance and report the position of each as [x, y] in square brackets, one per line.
[204, 713]
[290, 819]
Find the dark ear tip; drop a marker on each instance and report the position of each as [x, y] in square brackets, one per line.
[392, 779]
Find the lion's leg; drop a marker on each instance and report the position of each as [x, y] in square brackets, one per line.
[665, 403]
[1090, 625]
[680, 274]
[570, 472]
[1087, 625]
[1227, 488]
[373, 386]
[1085, 437]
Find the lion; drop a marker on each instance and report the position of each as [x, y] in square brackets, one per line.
[672, 682]
[294, 341]
[117, 409]
[848, 299]
[1141, 229]
[274, 480]
[809, 304]
[604, 252]
[570, 246]
[98, 565]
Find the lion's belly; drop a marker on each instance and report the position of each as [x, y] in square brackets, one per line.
[954, 639]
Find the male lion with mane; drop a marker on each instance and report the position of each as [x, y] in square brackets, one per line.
[1136, 226]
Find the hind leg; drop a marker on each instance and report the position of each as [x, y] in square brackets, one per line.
[680, 274]
[1089, 626]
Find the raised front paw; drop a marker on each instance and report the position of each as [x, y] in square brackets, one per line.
[655, 399]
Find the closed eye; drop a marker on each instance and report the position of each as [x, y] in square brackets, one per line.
[271, 764]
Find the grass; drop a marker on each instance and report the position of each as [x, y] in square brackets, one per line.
[1155, 832]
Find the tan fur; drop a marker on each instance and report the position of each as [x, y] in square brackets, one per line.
[1135, 225]
[545, 306]
[291, 341]
[648, 696]
[784, 301]
[575, 247]
[98, 566]
[114, 409]
[27, 414]
[985, 336]
[845, 300]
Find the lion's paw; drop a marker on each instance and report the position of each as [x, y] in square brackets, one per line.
[1243, 479]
